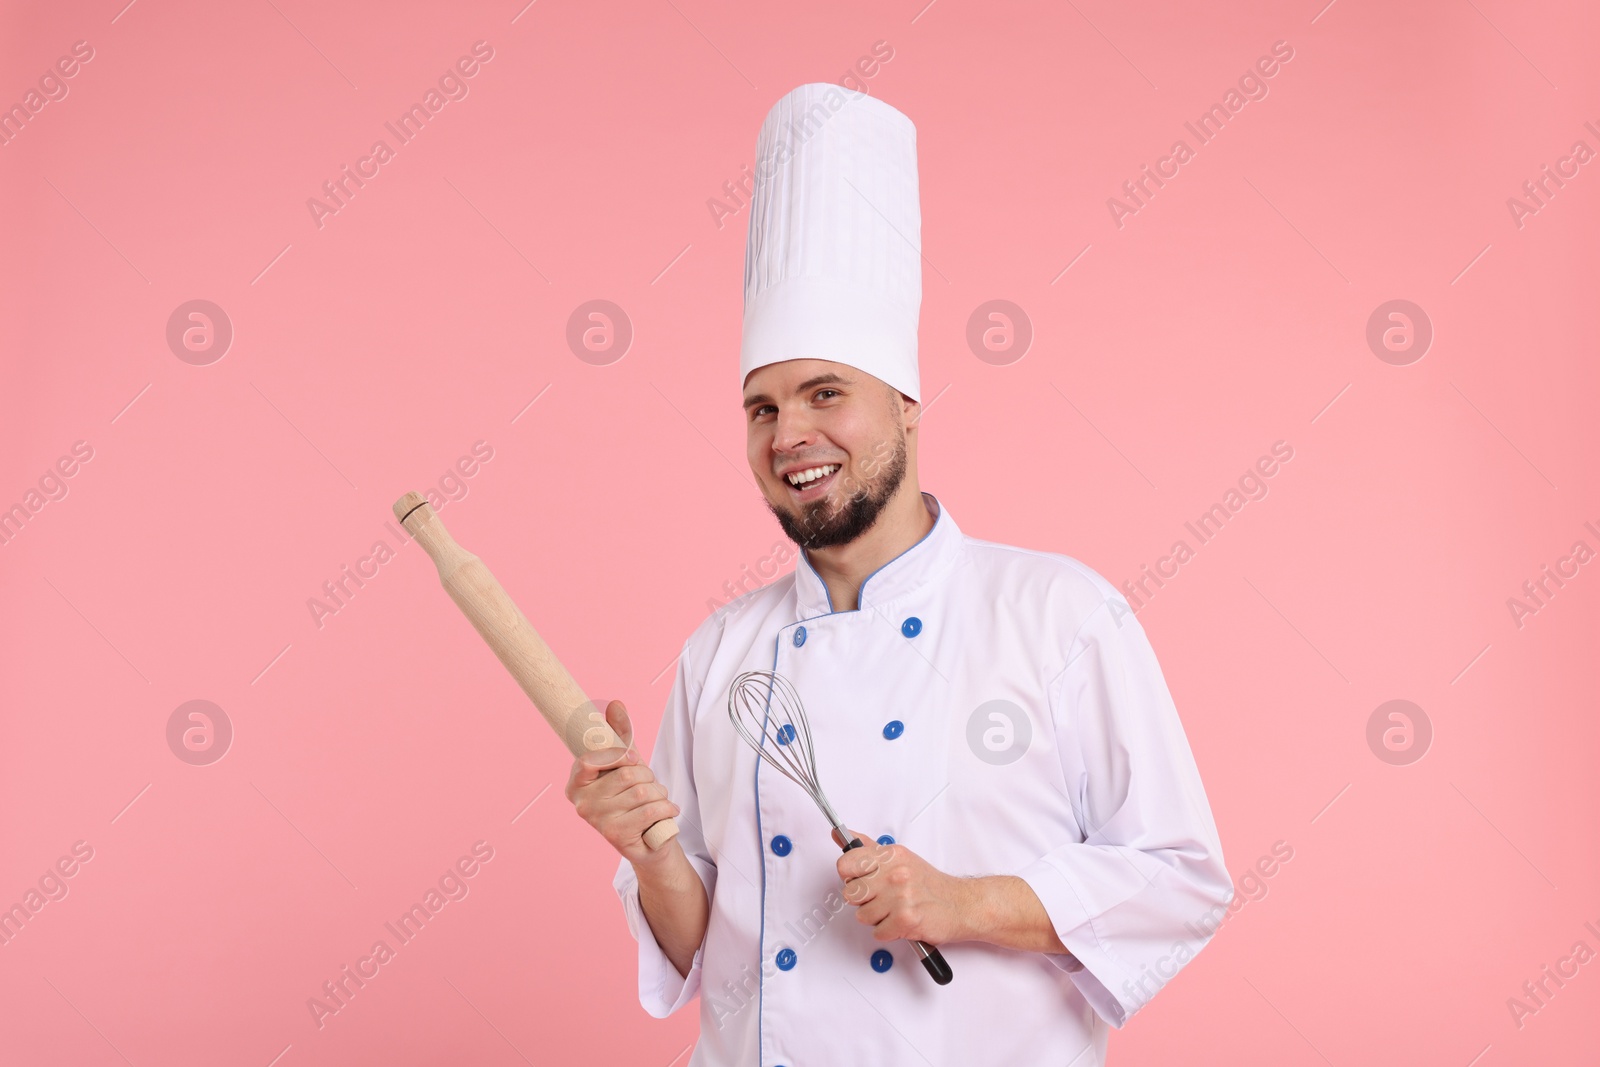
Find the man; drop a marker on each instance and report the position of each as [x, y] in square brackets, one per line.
[990, 720]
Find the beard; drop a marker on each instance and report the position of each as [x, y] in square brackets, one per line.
[821, 525]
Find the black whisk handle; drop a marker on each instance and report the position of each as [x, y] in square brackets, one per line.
[933, 962]
[932, 959]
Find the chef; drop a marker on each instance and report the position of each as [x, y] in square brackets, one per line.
[991, 721]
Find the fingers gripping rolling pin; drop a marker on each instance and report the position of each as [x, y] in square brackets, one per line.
[497, 618]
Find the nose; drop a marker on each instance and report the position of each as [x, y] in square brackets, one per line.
[793, 430]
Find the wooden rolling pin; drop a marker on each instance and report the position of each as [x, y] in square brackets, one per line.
[579, 722]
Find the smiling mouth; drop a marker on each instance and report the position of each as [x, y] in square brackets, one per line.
[813, 481]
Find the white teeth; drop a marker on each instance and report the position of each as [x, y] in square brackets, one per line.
[811, 474]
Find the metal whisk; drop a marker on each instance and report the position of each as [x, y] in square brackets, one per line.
[767, 712]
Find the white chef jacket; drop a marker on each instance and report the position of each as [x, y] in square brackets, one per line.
[994, 709]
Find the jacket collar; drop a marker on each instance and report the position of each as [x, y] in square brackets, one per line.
[927, 560]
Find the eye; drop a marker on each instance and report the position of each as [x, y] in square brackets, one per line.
[835, 392]
[755, 413]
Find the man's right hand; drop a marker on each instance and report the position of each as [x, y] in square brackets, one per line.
[615, 792]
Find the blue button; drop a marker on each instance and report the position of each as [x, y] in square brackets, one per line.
[885, 839]
[786, 959]
[785, 734]
[781, 845]
[882, 960]
[911, 627]
[800, 637]
[894, 729]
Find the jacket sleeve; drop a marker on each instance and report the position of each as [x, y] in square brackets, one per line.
[1142, 893]
[662, 990]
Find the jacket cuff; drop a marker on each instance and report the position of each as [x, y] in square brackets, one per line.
[662, 990]
[1089, 964]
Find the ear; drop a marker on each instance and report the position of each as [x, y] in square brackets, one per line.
[908, 410]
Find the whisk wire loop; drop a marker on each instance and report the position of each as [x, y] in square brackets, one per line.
[768, 713]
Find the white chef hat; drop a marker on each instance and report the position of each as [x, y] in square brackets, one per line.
[833, 260]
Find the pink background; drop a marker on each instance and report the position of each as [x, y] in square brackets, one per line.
[369, 354]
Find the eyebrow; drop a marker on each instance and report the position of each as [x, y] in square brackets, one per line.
[829, 378]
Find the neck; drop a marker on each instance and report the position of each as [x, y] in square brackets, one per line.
[844, 568]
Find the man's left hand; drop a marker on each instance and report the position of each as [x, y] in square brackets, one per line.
[901, 895]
